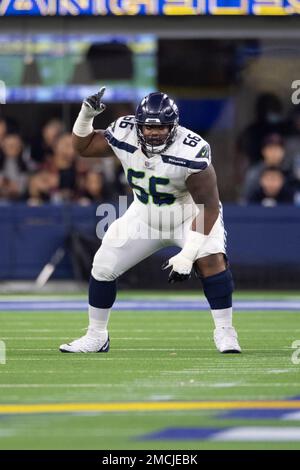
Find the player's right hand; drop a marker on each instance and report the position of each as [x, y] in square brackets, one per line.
[181, 268]
[93, 104]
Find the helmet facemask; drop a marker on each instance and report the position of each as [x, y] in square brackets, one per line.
[156, 144]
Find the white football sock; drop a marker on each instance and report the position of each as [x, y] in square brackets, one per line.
[222, 317]
[98, 320]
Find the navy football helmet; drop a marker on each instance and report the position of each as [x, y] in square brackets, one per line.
[156, 109]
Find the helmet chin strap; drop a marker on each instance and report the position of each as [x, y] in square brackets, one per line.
[154, 149]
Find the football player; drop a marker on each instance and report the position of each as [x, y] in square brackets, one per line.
[169, 169]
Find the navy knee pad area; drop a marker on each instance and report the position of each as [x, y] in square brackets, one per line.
[102, 294]
[218, 290]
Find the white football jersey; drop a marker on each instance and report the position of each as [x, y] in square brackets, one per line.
[159, 181]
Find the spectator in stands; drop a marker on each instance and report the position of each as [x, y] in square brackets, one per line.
[273, 189]
[8, 126]
[63, 164]
[13, 167]
[3, 129]
[93, 189]
[43, 147]
[269, 119]
[293, 142]
[274, 154]
[42, 187]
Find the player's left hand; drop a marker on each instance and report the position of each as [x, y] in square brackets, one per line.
[181, 268]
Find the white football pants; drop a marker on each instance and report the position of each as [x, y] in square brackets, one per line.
[130, 239]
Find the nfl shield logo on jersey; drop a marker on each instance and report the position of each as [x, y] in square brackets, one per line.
[149, 164]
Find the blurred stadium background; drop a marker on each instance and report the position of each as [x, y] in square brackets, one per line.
[233, 79]
[233, 66]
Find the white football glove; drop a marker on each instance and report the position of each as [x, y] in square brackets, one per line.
[93, 104]
[182, 264]
[181, 268]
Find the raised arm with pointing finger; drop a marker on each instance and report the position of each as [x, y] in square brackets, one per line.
[87, 141]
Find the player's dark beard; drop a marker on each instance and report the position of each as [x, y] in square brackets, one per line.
[155, 141]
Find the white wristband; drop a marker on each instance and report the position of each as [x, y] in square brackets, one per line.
[84, 123]
[192, 245]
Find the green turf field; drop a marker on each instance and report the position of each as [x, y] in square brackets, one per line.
[156, 357]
